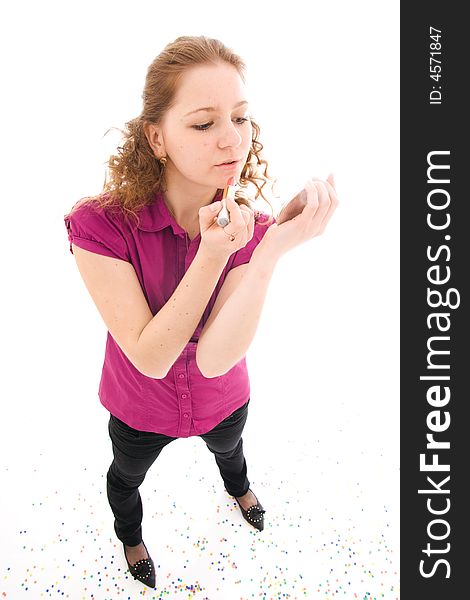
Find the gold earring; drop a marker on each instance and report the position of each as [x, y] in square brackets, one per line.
[163, 161]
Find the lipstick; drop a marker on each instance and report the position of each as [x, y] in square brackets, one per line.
[223, 218]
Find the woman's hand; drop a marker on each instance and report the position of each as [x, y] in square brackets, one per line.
[321, 204]
[216, 239]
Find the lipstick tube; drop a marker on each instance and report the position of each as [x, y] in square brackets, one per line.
[223, 217]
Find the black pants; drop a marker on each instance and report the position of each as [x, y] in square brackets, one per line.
[135, 451]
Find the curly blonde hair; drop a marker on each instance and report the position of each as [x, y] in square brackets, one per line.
[135, 174]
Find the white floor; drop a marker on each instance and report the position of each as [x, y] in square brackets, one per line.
[331, 522]
[322, 437]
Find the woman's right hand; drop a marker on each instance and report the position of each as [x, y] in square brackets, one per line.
[216, 239]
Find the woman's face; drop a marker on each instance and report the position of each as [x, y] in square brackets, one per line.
[195, 141]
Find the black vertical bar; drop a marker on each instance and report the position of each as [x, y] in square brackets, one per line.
[434, 259]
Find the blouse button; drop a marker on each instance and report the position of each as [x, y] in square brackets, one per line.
[181, 375]
[183, 395]
[185, 414]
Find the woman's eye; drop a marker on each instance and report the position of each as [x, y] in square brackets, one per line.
[202, 127]
[205, 126]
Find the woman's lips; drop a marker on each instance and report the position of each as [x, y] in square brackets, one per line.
[228, 167]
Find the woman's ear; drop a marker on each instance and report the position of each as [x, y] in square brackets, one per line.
[155, 139]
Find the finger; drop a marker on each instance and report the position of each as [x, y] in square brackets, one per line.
[246, 216]
[235, 213]
[331, 208]
[251, 225]
[331, 180]
[331, 190]
[249, 217]
[326, 219]
[244, 208]
[323, 193]
[323, 205]
[312, 200]
[333, 202]
[333, 196]
[209, 213]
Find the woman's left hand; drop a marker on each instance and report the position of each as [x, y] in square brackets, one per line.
[321, 204]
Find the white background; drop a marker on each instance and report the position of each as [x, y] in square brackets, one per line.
[322, 436]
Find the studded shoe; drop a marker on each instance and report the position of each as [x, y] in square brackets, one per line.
[143, 570]
[254, 514]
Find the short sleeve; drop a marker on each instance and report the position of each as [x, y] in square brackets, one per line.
[244, 255]
[93, 228]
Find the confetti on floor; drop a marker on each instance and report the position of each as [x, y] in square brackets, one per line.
[329, 535]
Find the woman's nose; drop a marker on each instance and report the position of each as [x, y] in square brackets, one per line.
[230, 136]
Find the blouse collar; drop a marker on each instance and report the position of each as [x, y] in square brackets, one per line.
[156, 216]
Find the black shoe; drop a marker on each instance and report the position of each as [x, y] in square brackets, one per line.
[143, 570]
[254, 514]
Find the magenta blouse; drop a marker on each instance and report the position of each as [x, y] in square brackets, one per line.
[184, 403]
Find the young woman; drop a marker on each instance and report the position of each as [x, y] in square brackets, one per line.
[181, 295]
